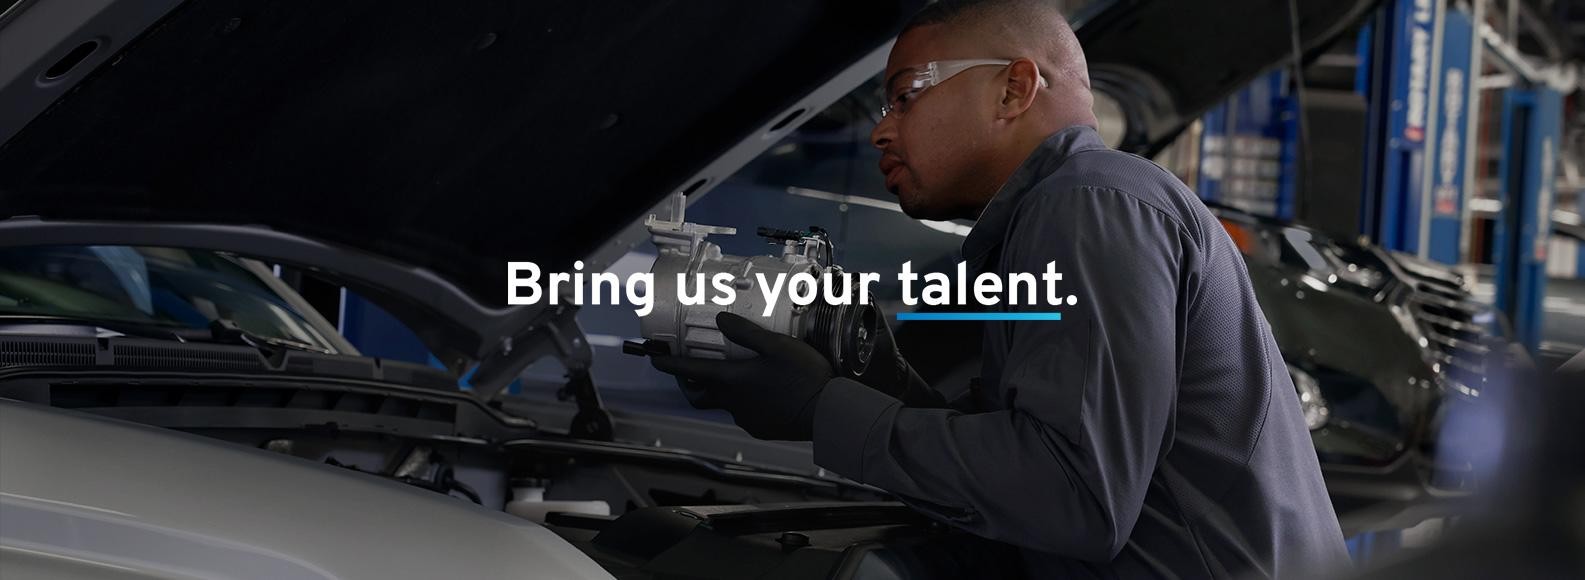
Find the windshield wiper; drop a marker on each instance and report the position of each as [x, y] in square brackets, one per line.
[226, 331]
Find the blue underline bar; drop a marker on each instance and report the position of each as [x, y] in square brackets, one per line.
[998, 316]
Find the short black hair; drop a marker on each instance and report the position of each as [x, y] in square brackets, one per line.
[1031, 28]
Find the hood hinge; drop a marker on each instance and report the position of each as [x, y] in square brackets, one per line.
[554, 332]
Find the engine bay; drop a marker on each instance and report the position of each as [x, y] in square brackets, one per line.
[640, 511]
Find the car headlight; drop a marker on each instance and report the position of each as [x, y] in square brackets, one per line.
[1310, 400]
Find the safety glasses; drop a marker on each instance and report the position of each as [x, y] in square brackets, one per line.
[904, 87]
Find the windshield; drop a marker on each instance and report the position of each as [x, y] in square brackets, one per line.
[148, 287]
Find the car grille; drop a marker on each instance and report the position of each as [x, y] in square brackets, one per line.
[1455, 327]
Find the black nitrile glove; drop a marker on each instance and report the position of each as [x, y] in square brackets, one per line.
[772, 396]
[890, 373]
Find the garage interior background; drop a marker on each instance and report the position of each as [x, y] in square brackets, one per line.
[1447, 130]
[1450, 130]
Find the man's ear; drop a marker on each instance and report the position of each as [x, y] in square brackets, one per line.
[1018, 94]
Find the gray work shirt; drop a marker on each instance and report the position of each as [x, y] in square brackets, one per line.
[1152, 432]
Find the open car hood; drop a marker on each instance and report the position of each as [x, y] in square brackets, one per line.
[411, 149]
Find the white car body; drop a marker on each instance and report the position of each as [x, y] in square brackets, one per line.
[85, 497]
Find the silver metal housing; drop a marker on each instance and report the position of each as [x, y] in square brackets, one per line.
[690, 329]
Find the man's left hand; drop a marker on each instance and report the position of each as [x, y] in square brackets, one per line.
[772, 396]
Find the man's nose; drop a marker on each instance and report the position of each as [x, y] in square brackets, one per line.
[884, 132]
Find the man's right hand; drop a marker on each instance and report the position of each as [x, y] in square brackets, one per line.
[889, 372]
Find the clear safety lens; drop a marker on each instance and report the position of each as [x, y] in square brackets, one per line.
[905, 86]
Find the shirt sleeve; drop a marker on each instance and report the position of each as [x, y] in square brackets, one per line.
[1064, 468]
[919, 394]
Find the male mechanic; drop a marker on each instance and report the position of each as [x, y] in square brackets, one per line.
[1153, 431]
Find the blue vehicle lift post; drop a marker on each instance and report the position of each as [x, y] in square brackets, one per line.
[1416, 74]
[1250, 149]
[1531, 136]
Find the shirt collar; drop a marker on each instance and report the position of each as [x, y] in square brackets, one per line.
[991, 226]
